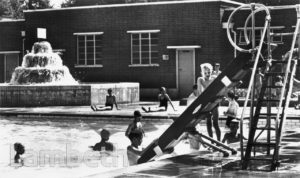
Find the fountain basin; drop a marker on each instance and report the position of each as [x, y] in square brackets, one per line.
[65, 95]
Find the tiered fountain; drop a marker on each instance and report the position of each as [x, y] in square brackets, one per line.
[43, 80]
[42, 66]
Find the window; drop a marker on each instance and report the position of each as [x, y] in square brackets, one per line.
[277, 38]
[144, 48]
[258, 33]
[89, 49]
[242, 40]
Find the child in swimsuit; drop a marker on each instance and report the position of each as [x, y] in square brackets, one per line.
[163, 99]
[20, 149]
[134, 150]
[212, 119]
[233, 107]
[136, 125]
[109, 103]
[103, 145]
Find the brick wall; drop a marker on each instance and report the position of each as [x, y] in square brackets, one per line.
[192, 23]
[11, 39]
[179, 24]
[2, 68]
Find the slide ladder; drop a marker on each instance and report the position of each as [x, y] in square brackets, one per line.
[269, 136]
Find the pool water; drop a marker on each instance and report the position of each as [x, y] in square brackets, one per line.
[60, 148]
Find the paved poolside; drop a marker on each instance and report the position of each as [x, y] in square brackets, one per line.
[126, 111]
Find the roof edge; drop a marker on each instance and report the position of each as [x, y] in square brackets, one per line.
[135, 4]
[232, 2]
[12, 20]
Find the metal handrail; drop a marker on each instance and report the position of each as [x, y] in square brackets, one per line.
[228, 31]
[278, 135]
[262, 7]
[268, 16]
[250, 84]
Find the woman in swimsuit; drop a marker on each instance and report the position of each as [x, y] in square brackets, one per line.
[163, 99]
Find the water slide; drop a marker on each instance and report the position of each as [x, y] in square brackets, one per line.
[195, 112]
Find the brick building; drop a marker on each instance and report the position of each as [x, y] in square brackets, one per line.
[155, 44]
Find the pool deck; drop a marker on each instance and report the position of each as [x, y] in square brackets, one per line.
[125, 112]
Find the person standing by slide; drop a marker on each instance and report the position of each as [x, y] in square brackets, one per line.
[203, 82]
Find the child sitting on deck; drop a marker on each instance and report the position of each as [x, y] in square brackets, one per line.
[109, 103]
[134, 150]
[163, 99]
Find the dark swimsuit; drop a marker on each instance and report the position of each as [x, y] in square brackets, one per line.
[110, 101]
[111, 105]
[163, 102]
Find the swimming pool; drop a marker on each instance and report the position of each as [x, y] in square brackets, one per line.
[59, 148]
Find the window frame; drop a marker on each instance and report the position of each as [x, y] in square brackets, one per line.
[140, 51]
[257, 37]
[85, 35]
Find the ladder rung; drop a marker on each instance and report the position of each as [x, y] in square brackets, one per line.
[264, 144]
[273, 86]
[279, 62]
[271, 115]
[264, 128]
[268, 114]
[261, 159]
[270, 100]
[274, 73]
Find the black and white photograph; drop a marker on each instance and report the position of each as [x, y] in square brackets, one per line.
[149, 88]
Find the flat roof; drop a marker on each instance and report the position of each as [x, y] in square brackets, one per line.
[9, 52]
[137, 4]
[12, 20]
[184, 47]
[281, 7]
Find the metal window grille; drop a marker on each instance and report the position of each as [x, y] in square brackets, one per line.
[144, 48]
[89, 49]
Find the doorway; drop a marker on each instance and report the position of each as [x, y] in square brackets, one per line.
[11, 61]
[186, 71]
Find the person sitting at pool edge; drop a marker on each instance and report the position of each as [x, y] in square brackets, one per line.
[109, 102]
[103, 145]
[163, 99]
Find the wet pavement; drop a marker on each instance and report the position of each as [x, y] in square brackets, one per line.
[126, 111]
